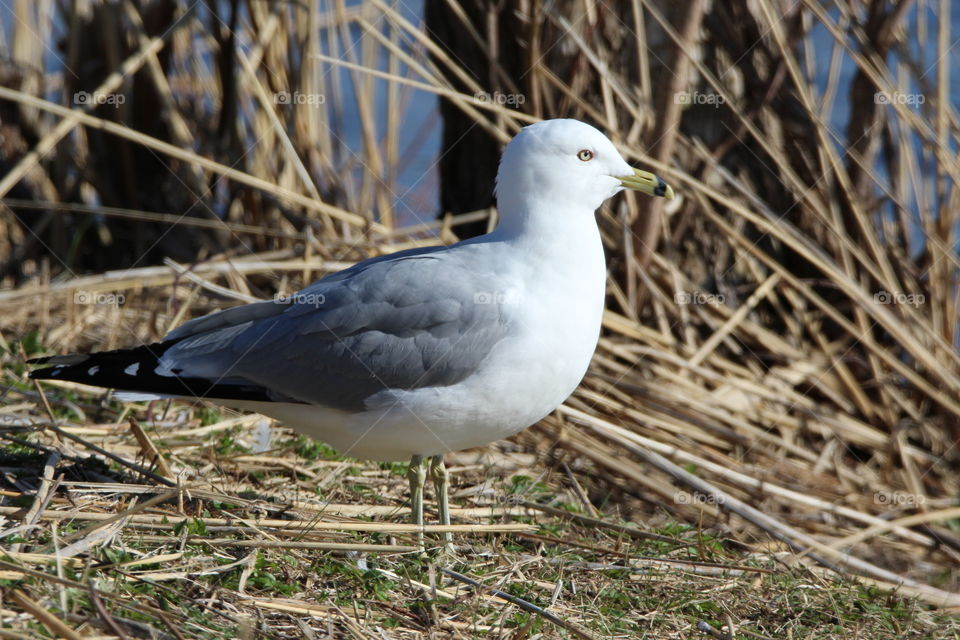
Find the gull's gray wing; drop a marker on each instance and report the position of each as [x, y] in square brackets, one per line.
[419, 318]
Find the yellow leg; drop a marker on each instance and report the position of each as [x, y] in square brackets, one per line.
[417, 475]
[441, 485]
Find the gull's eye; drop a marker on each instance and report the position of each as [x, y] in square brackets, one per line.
[585, 154]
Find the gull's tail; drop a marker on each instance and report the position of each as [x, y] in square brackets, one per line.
[136, 374]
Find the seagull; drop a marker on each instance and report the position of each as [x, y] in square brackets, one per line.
[422, 352]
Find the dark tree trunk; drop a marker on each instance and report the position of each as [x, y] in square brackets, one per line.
[469, 155]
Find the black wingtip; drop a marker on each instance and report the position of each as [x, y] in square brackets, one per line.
[40, 374]
[135, 370]
[46, 373]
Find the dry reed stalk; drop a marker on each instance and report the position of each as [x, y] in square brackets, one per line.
[301, 526]
[52, 623]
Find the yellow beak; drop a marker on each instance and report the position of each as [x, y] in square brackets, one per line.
[646, 182]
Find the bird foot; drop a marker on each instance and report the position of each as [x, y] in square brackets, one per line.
[447, 555]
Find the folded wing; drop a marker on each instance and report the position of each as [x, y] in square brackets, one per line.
[417, 319]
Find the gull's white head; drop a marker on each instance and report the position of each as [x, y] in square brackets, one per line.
[566, 162]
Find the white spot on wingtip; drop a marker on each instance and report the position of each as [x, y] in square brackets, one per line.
[132, 369]
[92, 371]
[55, 372]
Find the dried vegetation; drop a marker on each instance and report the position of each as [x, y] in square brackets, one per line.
[765, 443]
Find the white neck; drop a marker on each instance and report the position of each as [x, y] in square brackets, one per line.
[562, 252]
[560, 225]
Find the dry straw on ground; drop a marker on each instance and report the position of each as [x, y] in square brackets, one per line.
[778, 366]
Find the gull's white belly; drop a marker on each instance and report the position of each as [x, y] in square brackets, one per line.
[520, 383]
